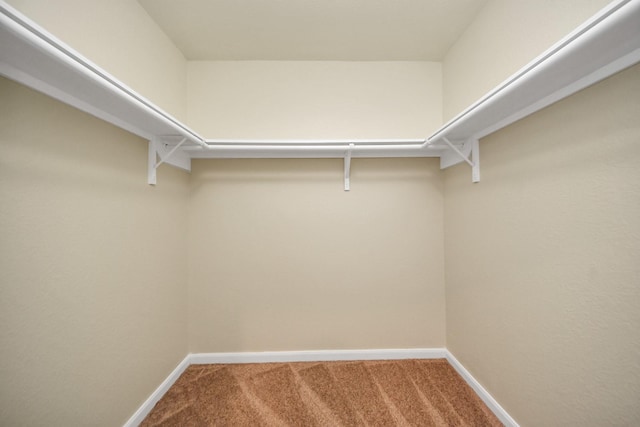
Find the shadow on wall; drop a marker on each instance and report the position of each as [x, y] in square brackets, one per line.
[571, 144]
[296, 171]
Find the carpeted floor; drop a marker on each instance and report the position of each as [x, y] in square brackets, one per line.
[367, 393]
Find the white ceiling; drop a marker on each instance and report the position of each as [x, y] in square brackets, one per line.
[346, 30]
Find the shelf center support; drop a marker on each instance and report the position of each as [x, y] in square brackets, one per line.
[475, 159]
[347, 168]
[151, 163]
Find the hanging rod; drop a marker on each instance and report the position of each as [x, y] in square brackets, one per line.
[316, 142]
[315, 145]
[302, 149]
[313, 148]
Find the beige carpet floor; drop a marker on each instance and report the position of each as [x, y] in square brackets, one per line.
[363, 393]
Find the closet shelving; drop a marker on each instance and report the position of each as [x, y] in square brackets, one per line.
[602, 46]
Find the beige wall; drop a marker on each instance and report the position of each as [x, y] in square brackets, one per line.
[314, 99]
[92, 267]
[281, 258]
[542, 269]
[541, 266]
[120, 37]
[504, 37]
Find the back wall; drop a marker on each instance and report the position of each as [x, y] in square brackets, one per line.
[314, 99]
[281, 258]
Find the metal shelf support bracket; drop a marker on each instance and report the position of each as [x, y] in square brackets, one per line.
[475, 159]
[474, 162]
[347, 168]
[154, 152]
[151, 163]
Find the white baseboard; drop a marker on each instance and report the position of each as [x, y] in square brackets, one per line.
[148, 405]
[320, 356]
[317, 356]
[495, 407]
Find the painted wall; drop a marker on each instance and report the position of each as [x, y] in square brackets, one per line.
[542, 269]
[120, 37]
[504, 37]
[314, 99]
[281, 258]
[92, 267]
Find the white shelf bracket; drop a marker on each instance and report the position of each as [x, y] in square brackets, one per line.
[347, 168]
[170, 153]
[154, 153]
[151, 162]
[475, 157]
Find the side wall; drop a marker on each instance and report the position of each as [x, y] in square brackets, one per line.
[281, 258]
[120, 37]
[314, 99]
[542, 267]
[92, 267]
[504, 37]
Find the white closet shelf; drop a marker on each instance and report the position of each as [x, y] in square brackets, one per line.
[605, 44]
[602, 46]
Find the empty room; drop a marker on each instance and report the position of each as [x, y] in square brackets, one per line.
[296, 212]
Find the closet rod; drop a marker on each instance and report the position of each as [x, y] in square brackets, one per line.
[313, 148]
[315, 142]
